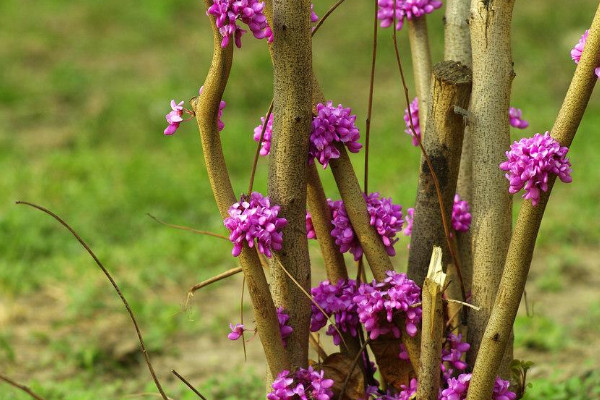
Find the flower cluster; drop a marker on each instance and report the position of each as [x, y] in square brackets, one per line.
[386, 217]
[310, 229]
[457, 389]
[378, 302]
[516, 121]
[284, 329]
[578, 50]
[252, 219]
[531, 160]
[337, 300]
[342, 232]
[266, 142]
[306, 384]
[461, 216]
[313, 15]
[414, 116]
[250, 12]
[330, 126]
[452, 354]
[408, 9]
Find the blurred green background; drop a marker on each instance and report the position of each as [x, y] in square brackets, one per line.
[84, 89]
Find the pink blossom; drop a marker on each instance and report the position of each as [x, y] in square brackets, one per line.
[578, 50]
[408, 9]
[266, 143]
[237, 331]
[310, 229]
[174, 117]
[461, 215]
[253, 219]
[514, 116]
[414, 116]
[250, 12]
[284, 329]
[332, 125]
[531, 160]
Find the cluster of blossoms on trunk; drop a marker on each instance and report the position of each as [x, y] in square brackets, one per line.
[227, 13]
[384, 215]
[237, 330]
[388, 10]
[253, 219]
[306, 384]
[531, 161]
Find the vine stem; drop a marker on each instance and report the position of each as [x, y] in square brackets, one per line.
[447, 231]
[21, 387]
[327, 14]
[187, 228]
[114, 285]
[370, 106]
[188, 384]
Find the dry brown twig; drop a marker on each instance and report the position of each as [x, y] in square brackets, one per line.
[114, 285]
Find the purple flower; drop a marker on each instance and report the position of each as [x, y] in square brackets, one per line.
[282, 387]
[410, 215]
[330, 126]
[306, 384]
[336, 300]
[250, 12]
[578, 50]
[174, 117]
[531, 160]
[237, 331]
[386, 217]
[514, 116]
[414, 116]
[457, 389]
[408, 9]
[310, 229]
[501, 390]
[222, 105]
[266, 143]
[452, 354]
[342, 232]
[284, 329]
[313, 16]
[378, 302]
[403, 355]
[461, 216]
[253, 219]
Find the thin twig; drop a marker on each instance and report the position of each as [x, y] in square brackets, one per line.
[370, 105]
[242, 317]
[327, 14]
[188, 384]
[436, 183]
[354, 362]
[474, 307]
[257, 153]
[187, 228]
[21, 387]
[214, 279]
[114, 285]
[312, 301]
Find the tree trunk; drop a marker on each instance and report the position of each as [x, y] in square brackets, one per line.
[520, 252]
[492, 204]
[292, 117]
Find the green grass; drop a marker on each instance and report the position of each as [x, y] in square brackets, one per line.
[84, 90]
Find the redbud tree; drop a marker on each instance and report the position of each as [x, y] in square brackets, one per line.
[443, 330]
